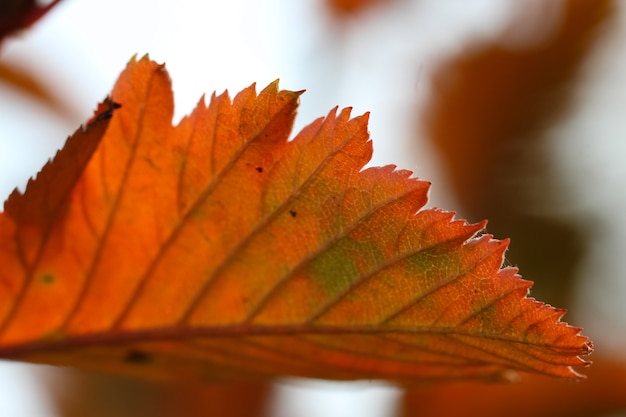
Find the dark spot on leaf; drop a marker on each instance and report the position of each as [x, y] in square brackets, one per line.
[138, 357]
[293, 213]
[47, 279]
[259, 169]
[104, 112]
[108, 113]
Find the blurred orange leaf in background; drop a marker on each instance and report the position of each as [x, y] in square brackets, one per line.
[345, 8]
[29, 79]
[219, 249]
[79, 393]
[20, 14]
[601, 394]
[491, 107]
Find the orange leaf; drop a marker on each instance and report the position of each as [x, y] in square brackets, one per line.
[600, 395]
[345, 8]
[497, 154]
[26, 80]
[79, 393]
[219, 248]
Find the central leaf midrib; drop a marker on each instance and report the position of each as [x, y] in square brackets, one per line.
[176, 333]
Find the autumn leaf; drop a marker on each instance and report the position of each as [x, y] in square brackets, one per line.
[347, 8]
[496, 153]
[218, 248]
[602, 394]
[79, 393]
[26, 81]
[20, 14]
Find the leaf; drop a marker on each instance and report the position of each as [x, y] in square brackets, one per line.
[47, 197]
[26, 80]
[78, 394]
[496, 153]
[500, 97]
[602, 394]
[217, 248]
[20, 14]
[349, 8]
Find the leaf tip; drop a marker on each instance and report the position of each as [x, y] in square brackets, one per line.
[146, 60]
[144, 57]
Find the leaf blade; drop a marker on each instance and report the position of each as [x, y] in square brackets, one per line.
[218, 247]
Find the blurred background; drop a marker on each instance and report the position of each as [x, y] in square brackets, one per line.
[513, 110]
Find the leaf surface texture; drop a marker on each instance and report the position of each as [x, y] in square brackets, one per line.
[218, 247]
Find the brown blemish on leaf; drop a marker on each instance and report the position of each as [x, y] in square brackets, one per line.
[138, 357]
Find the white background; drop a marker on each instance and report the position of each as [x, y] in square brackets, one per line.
[379, 63]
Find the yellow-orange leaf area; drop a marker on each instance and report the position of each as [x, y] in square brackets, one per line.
[218, 248]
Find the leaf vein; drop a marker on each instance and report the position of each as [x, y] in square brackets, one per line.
[100, 244]
[171, 239]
